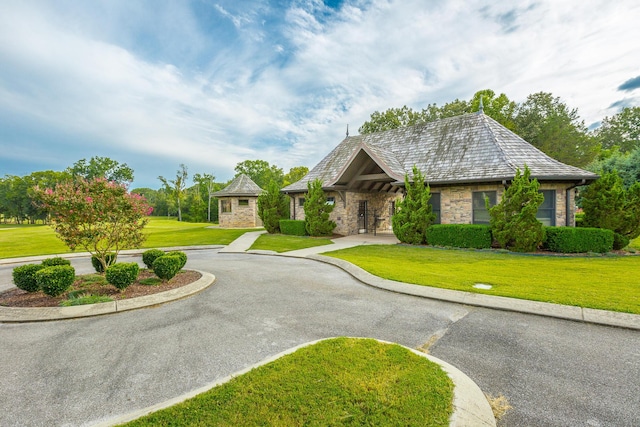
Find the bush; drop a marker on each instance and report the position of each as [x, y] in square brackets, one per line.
[317, 211]
[181, 255]
[122, 274]
[149, 256]
[166, 266]
[24, 277]
[459, 235]
[54, 281]
[578, 240]
[293, 227]
[272, 205]
[415, 213]
[50, 262]
[110, 258]
[620, 241]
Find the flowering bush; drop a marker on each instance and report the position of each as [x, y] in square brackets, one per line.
[97, 215]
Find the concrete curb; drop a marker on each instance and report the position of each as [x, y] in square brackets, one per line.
[579, 314]
[20, 315]
[470, 406]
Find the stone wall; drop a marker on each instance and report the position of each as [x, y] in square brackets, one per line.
[240, 216]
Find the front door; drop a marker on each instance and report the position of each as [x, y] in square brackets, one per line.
[362, 216]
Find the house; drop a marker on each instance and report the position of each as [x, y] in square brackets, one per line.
[238, 204]
[462, 158]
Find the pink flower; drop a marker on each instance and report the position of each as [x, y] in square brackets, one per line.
[89, 199]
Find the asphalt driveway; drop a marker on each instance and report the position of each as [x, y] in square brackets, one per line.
[79, 372]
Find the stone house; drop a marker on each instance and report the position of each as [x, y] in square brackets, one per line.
[462, 158]
[238, 204]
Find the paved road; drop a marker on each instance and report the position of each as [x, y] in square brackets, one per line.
[78, 372]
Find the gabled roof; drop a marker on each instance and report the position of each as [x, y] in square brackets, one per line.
[242, 185]
[462, 149]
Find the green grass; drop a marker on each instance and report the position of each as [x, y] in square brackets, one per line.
[28, 240]
[342, 381]
[284, 243]
[635, 244]
[151, 281]
[83, 300]
[608, 283]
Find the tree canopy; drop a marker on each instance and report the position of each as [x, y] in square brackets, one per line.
[102, 167]
[260, 172]
[621, 130]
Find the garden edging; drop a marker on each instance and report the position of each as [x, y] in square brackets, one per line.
[42, 314]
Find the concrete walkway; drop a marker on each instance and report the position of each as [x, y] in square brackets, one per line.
[242, 243]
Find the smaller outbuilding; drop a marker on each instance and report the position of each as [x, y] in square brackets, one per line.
[238, 204]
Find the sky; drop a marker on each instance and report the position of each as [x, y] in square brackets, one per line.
[210, 83]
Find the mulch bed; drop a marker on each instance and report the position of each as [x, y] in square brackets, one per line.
[19, 298]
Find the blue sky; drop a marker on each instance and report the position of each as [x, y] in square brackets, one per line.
[210, 83]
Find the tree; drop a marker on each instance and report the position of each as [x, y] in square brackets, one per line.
[317, 210]
[499, 108]
[513, 221]
[272, 207]
[393, 118]
[414, 214]
[548, 124]
[295, 174]
[627, 165]
[176, 187]
[207, 182]
[607, 204]
[97, 215]
[102, 167]
[622, 130]
[261, 172]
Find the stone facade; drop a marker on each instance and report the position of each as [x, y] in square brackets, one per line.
[241, 215]
[456, 206]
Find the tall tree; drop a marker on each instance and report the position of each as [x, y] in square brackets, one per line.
[207, 182]
[295, 174]
[621, 130]
[500, 108]
[547, 123]
[102, 167]
[272, 207]
[176, 187]
[261, 172]
[627, 165]
[317, 210]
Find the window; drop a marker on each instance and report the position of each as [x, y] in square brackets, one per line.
[301, 201]
[225, 206]
[480, 212]
[331, 200]
[434, 201]
[547, 210]
[243, 202]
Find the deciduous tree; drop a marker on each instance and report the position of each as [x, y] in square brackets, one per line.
[101, 167]
[621, 130]
[176, 187]
[260, 172]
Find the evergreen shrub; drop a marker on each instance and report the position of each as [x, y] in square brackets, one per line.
[415, 214]
[620, 241]
[181, 255]
[149, 256]
[122, 274]
[317, 211]
[55, 280]
[24, 277]
[459, 235]
[166, 266]
[578, 239]
[50, 262]
[293, 227]
[110, 259]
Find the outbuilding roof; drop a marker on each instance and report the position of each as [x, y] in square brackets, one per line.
[242, 185]
[462, 149]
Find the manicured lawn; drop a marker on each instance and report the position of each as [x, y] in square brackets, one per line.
[609, 283]
[27, 240]
[342, 381]
[284, 243]
[635, 244]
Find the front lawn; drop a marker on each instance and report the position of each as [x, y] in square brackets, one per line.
[284, 243]
[28, 240]
[608, 283]
[343, 381]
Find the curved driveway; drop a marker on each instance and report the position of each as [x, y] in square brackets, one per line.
[79, 372]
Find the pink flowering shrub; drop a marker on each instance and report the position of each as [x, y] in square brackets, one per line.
[97, 215]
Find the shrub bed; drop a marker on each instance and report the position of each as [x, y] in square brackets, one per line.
[167, 266]
[110, 259]
[293, 227]
[149, 256]
[122, 275]
[24, 277]
[578, 239]
[459, 235]
[54, 281]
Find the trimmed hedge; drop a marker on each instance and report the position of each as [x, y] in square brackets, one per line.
[55, 280]
[167, 266]
[50, 262]
[24, 277]
[123, 274]
[110, 259]
[578, 239]
[293, 227]
[149, 256]
[459, 235]
[181, 255]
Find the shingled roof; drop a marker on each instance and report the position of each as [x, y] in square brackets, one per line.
[471, 148]
[241, 186]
